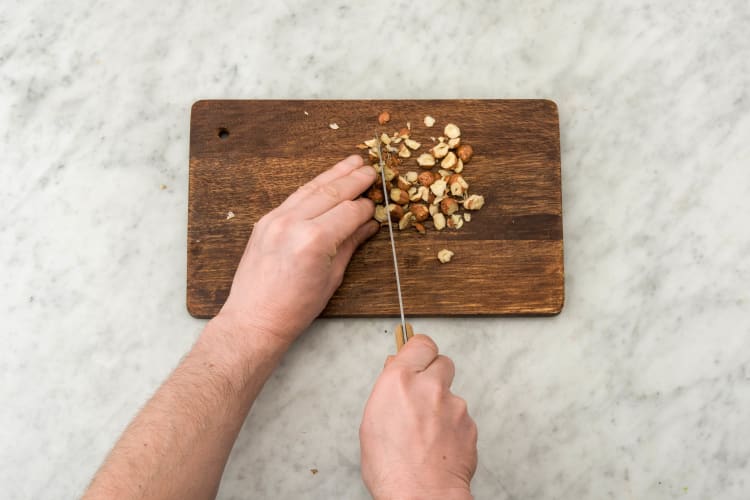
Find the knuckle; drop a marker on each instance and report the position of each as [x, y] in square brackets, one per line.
[312, 237]
[473, 430]
[462, 408]
[309, 187]
[434, 387]
[448, 362]
[263, 222]
[328, 190]
[351, 206]
[397, 375]
[425, 341]
[275, 228]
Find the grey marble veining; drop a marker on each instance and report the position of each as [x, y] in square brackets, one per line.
[639, 389]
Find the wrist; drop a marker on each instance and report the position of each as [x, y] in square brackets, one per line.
[249, 333]
[421, 487]
[240, 354]
[427, 494]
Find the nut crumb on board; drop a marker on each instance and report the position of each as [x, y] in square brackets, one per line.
[445, 255]
[230, 215]
[334, 126]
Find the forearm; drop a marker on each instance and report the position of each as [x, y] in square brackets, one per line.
[178, 444]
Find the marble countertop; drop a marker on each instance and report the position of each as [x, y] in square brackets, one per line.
[640, 388]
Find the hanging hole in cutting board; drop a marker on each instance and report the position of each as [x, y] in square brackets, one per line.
[223, 133]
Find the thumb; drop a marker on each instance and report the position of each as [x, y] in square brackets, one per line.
[418, 352]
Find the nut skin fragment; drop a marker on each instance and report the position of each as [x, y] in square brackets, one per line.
[457, 185]
[420, 228]
[450, 161]
[403, 184]
[429, 121]
[445, 256]
[397, 211]
[406, 221]
[452, 131]
[380, 214]
[439, 221]
[399, 196]
[403, 151]
[376, 195]
[426, 178]
[422, 193]
[384, 117]
[455, 221]
[474, 202]
[449, 206]
[426, 160]
[420, 211]
[412, 144]
[438, 187]
[465, 152]
[440, 150]
[390, 173]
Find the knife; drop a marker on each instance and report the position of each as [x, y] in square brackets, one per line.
[402, 332]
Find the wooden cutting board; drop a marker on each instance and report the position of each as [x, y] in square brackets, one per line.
[248, 156]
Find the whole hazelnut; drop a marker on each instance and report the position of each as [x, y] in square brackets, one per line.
[375, 195]
[420, 211]
[465, 151]
[449, 206]
[426, 178]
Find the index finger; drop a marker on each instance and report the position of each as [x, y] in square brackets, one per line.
[341, 169]
[418, 353]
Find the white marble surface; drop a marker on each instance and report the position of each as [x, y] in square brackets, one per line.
[639, 389]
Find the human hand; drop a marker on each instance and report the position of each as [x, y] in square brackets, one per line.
[417, 439]
[298, 252]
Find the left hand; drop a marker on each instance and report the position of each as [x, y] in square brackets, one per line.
[298, 252]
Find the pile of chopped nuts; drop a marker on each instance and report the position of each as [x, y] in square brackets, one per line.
[433, 193]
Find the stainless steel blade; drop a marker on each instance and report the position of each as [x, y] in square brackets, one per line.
[393, 243]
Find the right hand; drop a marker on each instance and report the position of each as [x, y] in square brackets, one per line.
[417, 439]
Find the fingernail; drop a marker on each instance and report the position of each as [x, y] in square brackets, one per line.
[368, 171]
[354, 160]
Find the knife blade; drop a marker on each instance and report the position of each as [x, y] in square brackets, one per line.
[402, 333]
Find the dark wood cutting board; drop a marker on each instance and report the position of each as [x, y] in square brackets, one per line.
[248, 156]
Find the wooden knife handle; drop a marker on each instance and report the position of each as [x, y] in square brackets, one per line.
[400, 337]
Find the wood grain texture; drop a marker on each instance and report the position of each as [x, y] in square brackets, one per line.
[509, 258]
